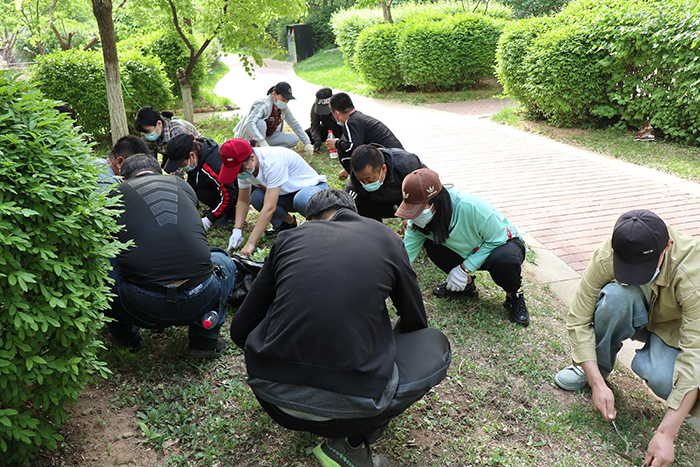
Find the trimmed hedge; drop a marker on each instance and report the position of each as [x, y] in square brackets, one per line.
[348, 24]
[376, 54]
[56, 233]
[78, 79]
[600, 62]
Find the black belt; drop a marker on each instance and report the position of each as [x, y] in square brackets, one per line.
[188, 284]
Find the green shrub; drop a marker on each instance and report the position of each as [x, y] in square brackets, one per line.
[534, 8]
[174, 54]
[78, 79]
[347, 26]
[56, 233]
[448, 54]
[375, 56]
[513, 45]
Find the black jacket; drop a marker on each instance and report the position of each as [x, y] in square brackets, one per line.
[320, 125]
[221, 198]
[316, 314]
[362, 129]
[399, 163]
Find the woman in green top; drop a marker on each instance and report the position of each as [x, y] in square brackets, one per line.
[462, 233]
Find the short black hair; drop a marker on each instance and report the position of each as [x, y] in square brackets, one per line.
[341, 102]
[138, 163]
[323, 202]
[147, 116]
[365, 155]
[129, 145]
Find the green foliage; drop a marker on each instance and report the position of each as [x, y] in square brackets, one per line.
[600, 62]
[55, 237]
[448, 54]
[318, 18]
[534, 8]
[78, 79]
[348, 24]
[172, 51]
[375, 56]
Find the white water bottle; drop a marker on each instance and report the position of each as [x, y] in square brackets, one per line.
[333, 152]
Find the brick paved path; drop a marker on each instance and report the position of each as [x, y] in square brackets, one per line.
[565, 198]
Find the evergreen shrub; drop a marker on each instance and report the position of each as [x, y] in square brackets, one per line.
[174, 54]
[56, 235]
[375, 56]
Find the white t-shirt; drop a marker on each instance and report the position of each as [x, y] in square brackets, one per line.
[284, 168]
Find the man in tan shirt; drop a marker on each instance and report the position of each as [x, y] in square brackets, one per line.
[642, 283]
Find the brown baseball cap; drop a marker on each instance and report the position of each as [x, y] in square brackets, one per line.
[418, 188]
[233, 153]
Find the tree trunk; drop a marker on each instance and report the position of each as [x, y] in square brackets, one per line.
[187, 104]
[102, 9]
[386, 11]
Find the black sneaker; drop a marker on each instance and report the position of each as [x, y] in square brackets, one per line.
[283, 226]
[201, 347]
[470, 291]
[337, 452]
[518, 309]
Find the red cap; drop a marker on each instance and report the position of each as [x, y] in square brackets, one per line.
[419, 187]
[233, 153]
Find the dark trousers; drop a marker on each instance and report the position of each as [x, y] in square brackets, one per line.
[504, 263]
[422, 357]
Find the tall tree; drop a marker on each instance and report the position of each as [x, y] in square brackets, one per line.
[237, 25]
[102, 9]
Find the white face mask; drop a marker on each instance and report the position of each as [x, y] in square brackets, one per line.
[423, 218]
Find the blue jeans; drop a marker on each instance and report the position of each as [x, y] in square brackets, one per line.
[621, 313]
[292, 202]
[135, 307]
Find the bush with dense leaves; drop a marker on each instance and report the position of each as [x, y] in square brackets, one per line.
[449, 54]
[375, 56]
[318, 18]
[600, 62]
[78, 79]
[348, 24]
[533, 8]
[174, 54]
[56, 235]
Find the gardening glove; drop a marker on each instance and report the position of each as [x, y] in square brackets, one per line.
[309, 148]
[263, 144]
[457, 279]
[236, 240]
[206, 223]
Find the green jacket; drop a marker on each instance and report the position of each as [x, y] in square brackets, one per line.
[674, 307]
[476, 229]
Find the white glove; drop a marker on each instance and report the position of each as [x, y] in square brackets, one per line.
[309, 148]
[457, 279]
[206, 223]
[236, 240]
[263, 144]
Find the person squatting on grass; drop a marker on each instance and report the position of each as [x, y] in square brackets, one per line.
[358, 129]
[276, 181]
[641, 284]
[461, 234]
[169, 276]
[265, 119]
[158, 128]
[376, 179]
[213, 182]
[125, 147]
[321, 119]
[319, 347]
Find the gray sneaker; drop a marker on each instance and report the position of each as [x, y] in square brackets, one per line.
[571, 378]
[337, 452]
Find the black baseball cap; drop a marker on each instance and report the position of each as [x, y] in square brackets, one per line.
[323, 100]
[284, 89]
[638, 239]
[179, 148]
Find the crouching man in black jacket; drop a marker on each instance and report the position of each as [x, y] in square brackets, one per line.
[376, 179]
[320, 350]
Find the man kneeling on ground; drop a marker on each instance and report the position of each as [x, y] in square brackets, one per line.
[320, 351]
[169, 276]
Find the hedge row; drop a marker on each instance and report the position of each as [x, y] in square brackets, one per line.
[600, 62]
[443, 54]
[348, 24]
[78, 79]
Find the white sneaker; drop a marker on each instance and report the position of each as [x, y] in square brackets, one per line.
[571, 378]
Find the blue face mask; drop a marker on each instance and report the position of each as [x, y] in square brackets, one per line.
[280, 105]
[656, 274]
[152, 136]
[423, 218]
[374, 186]
[244, 175]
